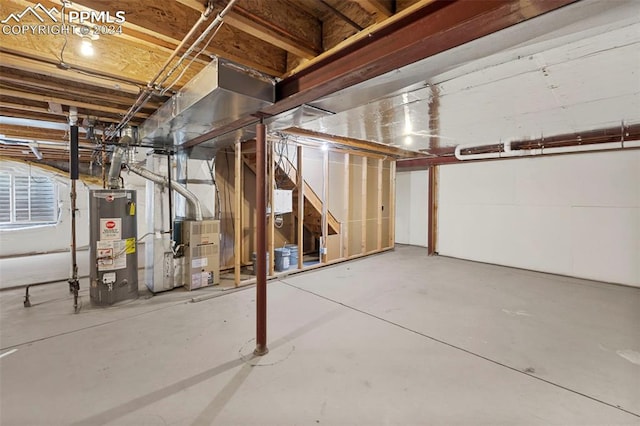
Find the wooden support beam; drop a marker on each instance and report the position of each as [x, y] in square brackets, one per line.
[354, 143]
[193, 4]
[300, 207]
[277, 23]
[432, 223]
[251, 24]
[33, 133]
[363, 213]
[237, 220]
[325, 207]
[42, 113]
[48, 68]
[8, 111]
[120, 60]
[347, 194]
[271, 218]
[392, 205]
[379, 206]
[173, 20]
[96, 100]
[381, 9]
[63, 101]
[63, 86]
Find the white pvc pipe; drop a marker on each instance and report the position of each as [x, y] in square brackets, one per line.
[509, 152]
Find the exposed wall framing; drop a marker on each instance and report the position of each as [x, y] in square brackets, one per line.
[341, 201]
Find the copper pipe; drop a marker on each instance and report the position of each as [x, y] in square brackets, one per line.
[261, 242]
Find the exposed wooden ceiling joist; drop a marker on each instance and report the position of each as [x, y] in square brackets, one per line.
[60, 86]
[352, 143]
[64, 101]
[277, 23]
[48, 68]
[171, 21]
[382, 9]
[33, 133]
[61, 97]
[48, 154]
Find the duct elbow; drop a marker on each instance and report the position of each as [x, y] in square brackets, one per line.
[114, 169]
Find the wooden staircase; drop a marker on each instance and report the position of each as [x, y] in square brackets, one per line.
[286, 176]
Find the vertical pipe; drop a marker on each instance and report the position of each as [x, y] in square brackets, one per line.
[261, 243]
[300, 182]
[237, 238]
[74, 285]
[104, 164]
[170, 200]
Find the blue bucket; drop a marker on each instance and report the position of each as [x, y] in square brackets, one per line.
[293, 255]
[282, 258]
[253, 259]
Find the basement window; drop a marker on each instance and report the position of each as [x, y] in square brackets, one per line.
[27, 201]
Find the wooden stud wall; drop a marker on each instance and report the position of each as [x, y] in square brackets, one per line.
[359, 193]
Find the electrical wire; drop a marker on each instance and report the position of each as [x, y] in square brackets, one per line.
[215, 186]
[64, 33]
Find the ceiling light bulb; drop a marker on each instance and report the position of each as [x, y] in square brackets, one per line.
[86, 48]
[325, 146]
[408, 140]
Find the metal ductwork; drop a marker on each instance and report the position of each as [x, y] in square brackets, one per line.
[114, 169]
[114, 179]
[190, 196]
[220, 94]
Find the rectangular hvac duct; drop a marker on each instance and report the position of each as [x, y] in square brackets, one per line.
[219, 94]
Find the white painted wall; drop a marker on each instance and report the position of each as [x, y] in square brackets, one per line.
[56, 237]
[412, 195]
[576, 215]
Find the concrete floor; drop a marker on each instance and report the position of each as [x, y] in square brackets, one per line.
[396, 338]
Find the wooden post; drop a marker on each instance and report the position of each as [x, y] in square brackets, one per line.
[271, 226]
[345, 227]
[392, 204]
[363, 216]
[237, 220]
[300, 207]
[432, 223]
[325, 206]
[379, 205]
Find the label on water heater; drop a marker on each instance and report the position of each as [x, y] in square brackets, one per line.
[110, 229]
[111, 255]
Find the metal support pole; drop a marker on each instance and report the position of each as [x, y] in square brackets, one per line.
[261, 243]
[74, 284]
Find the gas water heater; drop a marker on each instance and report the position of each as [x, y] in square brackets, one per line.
[112, 246]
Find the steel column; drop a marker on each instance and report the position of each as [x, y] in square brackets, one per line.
[261, 242]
